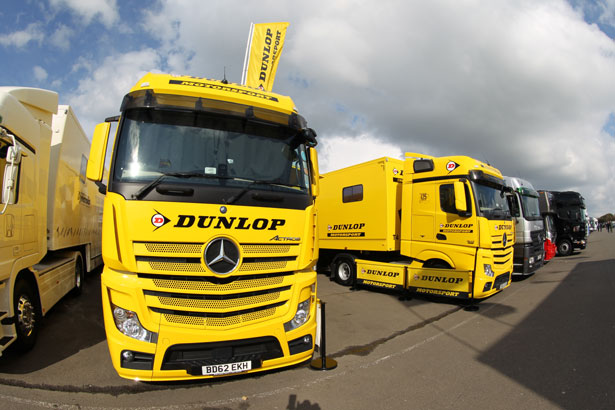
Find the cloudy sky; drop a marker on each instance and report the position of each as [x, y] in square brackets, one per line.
[526, 85]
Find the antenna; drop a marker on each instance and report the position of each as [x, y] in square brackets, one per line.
[224, 80]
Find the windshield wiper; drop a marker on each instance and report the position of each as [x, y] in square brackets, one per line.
[143, 191]
[253, 182]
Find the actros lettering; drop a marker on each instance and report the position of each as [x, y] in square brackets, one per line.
[222, 222]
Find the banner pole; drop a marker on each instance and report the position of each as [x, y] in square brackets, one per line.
[244, 74]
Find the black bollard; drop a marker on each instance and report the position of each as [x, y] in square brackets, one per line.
[324, 363]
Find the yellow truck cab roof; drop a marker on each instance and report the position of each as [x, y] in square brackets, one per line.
[214, 89]
[454, 165]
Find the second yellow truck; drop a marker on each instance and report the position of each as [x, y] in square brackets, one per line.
[435, 226]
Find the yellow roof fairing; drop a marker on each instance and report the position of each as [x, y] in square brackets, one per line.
[216, 90]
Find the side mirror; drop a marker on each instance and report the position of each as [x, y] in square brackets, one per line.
[13, 155]
[96, 162]
[13, 158]
[460, 197]
[8, 184]
[314, 171]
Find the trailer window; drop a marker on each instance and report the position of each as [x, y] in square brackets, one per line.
[352, 193]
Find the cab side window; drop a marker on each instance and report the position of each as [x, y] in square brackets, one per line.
[447, 199]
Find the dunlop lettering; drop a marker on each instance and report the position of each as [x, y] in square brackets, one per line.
[345, 227]
[382, 273]
[223, 222]
[441, 279]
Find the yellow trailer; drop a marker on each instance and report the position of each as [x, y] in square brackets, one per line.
[438, 226]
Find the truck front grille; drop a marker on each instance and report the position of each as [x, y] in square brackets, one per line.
[502, 255]
[177, 285]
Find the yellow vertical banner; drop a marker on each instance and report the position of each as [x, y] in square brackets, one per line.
[263, 54]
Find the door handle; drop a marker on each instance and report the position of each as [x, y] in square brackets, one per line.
[441, 237]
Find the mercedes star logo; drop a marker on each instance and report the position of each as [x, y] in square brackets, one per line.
[221, 256]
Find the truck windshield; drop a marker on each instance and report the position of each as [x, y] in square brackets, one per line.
[491, 201]
[530, 204]
[200, 149]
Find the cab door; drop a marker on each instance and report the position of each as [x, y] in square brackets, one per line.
[456, 225]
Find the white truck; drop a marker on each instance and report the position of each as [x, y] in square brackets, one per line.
[529, 230]
[50, 214]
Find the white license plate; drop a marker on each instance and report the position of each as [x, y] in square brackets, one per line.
[227, 368]
[502, 285]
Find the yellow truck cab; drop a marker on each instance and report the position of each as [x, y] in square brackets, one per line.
[436, 226]
[209, 236]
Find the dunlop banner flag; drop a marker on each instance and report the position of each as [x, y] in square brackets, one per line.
[265, 44]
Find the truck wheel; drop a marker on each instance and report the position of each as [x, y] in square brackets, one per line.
[27, 316]
[79, 276]
[564, 248]
[344, 270]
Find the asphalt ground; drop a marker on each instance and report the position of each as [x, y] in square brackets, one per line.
[546, 342]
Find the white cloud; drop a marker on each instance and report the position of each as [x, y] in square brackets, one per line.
[32, 33]
[61, 37]
[105, 10]
[355, 150]
[40, 74]
[99, 94]
[526, 85]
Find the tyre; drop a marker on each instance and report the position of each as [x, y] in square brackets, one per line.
[564, 247]
[344, 270]
[79, 276]
[27, 315]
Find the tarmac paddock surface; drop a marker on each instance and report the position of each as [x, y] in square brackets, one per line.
[545, 342]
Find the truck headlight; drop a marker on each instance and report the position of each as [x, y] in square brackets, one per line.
[488, 271]
[301, 316]
[128, 323]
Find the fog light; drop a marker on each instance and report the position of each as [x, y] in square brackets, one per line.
[128, 355]
[531, 261]
[301, 316]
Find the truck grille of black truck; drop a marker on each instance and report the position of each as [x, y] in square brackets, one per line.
[192, 357]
